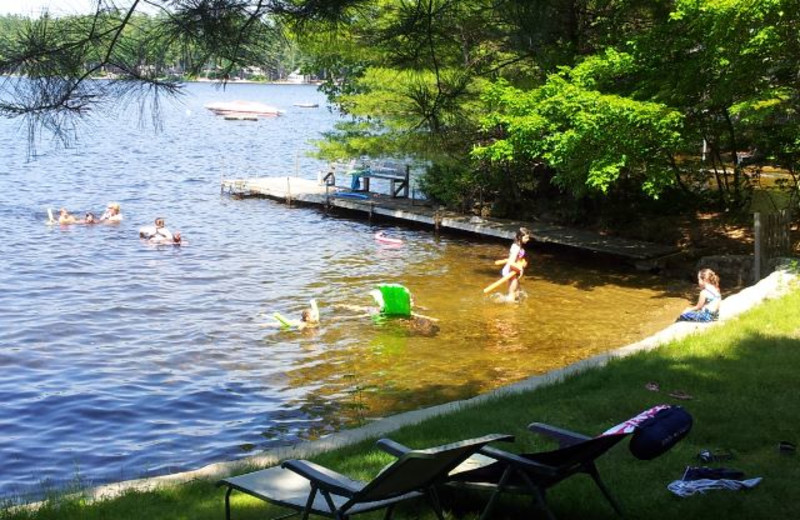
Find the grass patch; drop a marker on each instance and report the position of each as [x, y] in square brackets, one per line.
[742, 376]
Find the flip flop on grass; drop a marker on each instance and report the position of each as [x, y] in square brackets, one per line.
[680, 394]
[715, 456]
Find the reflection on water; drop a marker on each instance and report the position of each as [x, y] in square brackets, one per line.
[122, 360]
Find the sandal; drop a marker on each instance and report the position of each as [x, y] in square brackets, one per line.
[653, 386]
[714, 456]
[679, 394]
[786, 447]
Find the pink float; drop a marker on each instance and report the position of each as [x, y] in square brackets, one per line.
[383, 239]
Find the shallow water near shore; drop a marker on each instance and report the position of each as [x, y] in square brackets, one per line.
[123, 360]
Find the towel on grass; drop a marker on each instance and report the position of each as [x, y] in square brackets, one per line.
[685, 488]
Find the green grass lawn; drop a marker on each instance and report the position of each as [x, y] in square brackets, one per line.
[743, 376]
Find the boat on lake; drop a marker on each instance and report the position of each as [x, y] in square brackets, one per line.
[306, 105]
[241, 117]
[236, 108]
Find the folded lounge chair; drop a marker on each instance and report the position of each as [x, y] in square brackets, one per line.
[658, 429]
[312, 489]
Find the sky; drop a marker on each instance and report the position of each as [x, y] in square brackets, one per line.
[33, 8]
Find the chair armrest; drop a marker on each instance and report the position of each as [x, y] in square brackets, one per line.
[323, 477]
[393, 447]
[397, 449]
[564, 437]
[517, 460]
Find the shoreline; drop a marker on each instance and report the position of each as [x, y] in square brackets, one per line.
[775, 285]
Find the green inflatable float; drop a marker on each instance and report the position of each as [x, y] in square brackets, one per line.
[393, 300]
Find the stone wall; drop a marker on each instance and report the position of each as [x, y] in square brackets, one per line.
[733, 270]
[738, 270]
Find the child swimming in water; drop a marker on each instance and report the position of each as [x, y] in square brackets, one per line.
[309, 318]
[707, 307]
[65, 218]
[112, 213]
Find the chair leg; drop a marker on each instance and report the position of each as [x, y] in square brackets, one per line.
[228, 503]
[542, 502]
[538, 494]
[496, 493]
[309, 502]
[433, 498]
[591, 469]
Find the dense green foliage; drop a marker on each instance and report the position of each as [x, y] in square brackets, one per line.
[592, 101]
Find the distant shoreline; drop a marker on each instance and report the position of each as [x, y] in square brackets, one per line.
[315, 82]
[273, 82]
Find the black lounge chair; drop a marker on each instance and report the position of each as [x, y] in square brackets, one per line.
[310, 488]
[534, 473]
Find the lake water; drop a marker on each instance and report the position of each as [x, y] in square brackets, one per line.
[122, 360]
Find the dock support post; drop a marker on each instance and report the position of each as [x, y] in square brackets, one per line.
[371, 210]
[437, 220]
[758, 248]
[288, 193]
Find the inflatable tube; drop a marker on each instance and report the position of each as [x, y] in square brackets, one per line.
[383, 239]
[396, 300]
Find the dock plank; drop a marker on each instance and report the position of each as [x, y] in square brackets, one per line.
[305, 191]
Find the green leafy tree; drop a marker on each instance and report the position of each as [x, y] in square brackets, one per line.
[730, 68]
[589, 140]
[412, 74]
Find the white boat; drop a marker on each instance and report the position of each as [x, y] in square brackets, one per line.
[233, 108]
[307, 105]
[241, 117]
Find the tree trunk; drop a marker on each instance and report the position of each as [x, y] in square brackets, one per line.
[737, 194]
[722, 183]
[677, 173]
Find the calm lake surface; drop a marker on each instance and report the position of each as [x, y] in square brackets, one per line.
[122, 360]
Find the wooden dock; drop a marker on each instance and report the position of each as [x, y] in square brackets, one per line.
[294, 190]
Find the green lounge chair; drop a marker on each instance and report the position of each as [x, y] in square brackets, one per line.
[309, 488]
